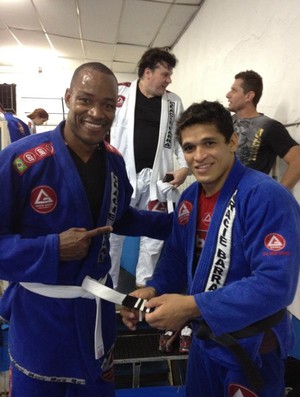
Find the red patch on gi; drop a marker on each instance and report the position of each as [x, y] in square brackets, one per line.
[240, 391]
[274, 242]
[156, 205]
[184, 212]
[43, 199]
[120, 101]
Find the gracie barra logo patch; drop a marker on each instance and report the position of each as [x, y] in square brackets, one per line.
[240, 391]
[26, 160]
[43, 199]
[207, 218]
[274, 242]
[184, 212]
[158, 206]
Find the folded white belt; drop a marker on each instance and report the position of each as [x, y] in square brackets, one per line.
[167, 192]
[90, 289]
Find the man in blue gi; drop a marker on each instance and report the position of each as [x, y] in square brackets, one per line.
[235, 249]
[16, 127]
[63, 191]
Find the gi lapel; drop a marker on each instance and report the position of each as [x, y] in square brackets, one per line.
[207, 273]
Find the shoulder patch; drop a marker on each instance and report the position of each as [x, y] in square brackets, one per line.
[27, 159]
[274, 242]
[184, 212]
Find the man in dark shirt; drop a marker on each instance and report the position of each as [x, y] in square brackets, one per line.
[261, 139]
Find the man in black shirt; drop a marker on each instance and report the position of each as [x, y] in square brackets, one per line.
[261, 139]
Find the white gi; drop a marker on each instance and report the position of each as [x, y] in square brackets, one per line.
[147, 183]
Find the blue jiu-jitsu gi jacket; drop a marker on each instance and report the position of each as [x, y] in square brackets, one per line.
[41, 196]
[254, 236]
[16, 127]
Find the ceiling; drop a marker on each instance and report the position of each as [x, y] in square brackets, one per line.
[70, 32]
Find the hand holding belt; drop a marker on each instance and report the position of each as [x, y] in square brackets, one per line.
[90, 289]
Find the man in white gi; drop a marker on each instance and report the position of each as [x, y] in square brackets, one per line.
[144, 132]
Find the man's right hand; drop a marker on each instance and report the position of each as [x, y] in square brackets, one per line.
[75, 242]
[131, 317]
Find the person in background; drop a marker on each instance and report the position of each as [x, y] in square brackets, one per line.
[16, 127]
[261, 139]
[234, 252]
[65, 190]
[144, 132]
[38, 117]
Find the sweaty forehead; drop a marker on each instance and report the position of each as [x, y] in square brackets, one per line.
[86, 77]
[93, 80]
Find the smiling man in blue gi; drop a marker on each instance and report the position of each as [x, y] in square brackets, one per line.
[235, 250]
[63, 191]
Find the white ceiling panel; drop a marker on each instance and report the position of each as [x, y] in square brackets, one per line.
[6, 39]
[19, 14]
[177, 19]
[129, 53]
[70, 48]
[140, 21]
[31, 38]
[102, 52]
[58, 17]
[115, 32]
[175, 1]
[193, 2]
[124, 67]
[69, 63]
[100, 19]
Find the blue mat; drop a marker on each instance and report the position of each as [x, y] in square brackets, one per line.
[165, 391]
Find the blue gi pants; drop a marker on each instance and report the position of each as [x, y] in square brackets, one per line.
[24, 386]
[207, 378]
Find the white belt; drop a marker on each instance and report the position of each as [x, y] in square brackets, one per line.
[167, 192]
[90, 289]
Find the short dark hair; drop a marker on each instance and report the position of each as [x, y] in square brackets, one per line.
[97, 66]
[252, 81]
[152, 57]
[206, 113]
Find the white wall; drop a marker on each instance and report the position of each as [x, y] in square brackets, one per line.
[229, 36]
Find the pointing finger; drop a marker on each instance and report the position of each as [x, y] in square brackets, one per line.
[98, 230]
